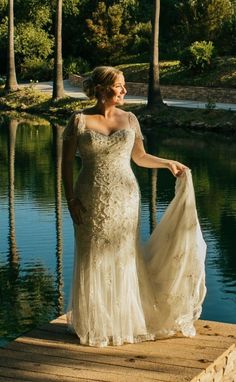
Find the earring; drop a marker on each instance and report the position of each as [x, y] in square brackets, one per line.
[103, 100]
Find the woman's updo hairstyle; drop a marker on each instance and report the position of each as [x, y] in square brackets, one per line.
[101, 77]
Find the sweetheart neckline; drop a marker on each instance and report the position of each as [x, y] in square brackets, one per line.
[98, 132]
[106, 135]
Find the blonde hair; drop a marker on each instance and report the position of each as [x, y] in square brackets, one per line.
[104, 76]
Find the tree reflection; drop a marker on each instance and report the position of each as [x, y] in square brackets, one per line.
[57, 139]
[26, 295]
[152, 148]
[153, 198]
[13, 253]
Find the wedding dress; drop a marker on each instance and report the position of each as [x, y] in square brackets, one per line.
[122, 291]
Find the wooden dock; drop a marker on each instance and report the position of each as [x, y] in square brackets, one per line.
[50, 353]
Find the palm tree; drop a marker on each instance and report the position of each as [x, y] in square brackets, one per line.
[58, 86]
[11, 82]
[154, 92]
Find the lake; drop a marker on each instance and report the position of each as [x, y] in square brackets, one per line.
[36, 233]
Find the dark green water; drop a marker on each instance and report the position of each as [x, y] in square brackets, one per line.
[36, 236]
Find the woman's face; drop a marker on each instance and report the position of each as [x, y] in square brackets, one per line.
[116, 92]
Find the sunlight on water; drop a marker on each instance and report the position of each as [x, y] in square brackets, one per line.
[36, 233]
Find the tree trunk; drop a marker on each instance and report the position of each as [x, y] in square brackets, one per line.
[154, 91]
[11, 82]
[58, 86]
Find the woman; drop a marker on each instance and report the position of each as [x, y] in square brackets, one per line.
[113, 299]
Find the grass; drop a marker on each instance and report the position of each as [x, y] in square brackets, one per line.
[222, 74]
[30, 100]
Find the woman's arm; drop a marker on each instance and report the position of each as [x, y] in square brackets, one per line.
[68, 156]
[143, 159]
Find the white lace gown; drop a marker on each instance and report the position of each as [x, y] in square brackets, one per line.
[121, 291]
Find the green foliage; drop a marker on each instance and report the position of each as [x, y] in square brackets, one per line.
[142, 37]
[222, 74]
[33, 47]
[71, 7]
[202, 20]
[217, 11]
[226, 40]
[199, 56]
[3, 32]
[31, 41]
[112, 31]
[3, 5]
[36, 69]
[34, 11]
[32, 37]
[3, 45]
[75, 66]
[108, 33]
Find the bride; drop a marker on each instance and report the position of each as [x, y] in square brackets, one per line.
[123, 292]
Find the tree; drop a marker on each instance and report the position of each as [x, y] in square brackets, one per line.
[109, 32]
[11, 81]
[154, 91]
[203, 20]
[58, 86]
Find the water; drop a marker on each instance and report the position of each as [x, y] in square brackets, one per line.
[36, 235]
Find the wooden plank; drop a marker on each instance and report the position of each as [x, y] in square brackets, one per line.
[221, 328]
[148, 348]
[199, 340]
[122, 358]
[203, 334]
[31, 376]
[44, 372]
[67, 366]
[151, 350]
[6, 379]
[136, 362]
[51, 353]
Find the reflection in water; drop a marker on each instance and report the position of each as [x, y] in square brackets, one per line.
[153, 198]
[57, 138]
[152, 173]
[33, 288]
[13, 254]
[25, 293]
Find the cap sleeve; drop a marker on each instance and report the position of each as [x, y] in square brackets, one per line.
[134, 124]
[73, 126]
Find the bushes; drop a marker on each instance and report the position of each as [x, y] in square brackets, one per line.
[36, 69]
[141, 39]
[75, 66]
[32, 41]
[199, 56]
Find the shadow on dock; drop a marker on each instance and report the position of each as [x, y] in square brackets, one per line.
[51, 353]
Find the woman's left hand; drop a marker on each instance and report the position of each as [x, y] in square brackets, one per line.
[177, 168]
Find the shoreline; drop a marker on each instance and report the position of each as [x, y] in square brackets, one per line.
[30, 101]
